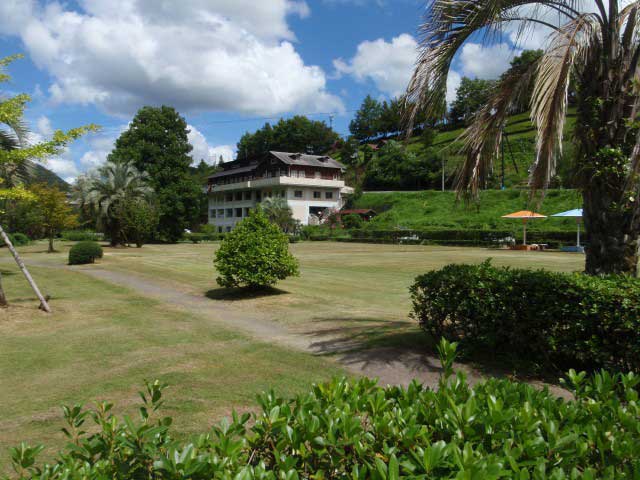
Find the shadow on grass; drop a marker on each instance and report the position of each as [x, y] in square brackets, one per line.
[237, 294]
[369, 341]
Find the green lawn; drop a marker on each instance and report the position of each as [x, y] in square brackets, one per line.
[430, 209]
[103, 340]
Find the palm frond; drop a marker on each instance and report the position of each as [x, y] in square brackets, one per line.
[571, 45]
[447, 26]
[482, 139]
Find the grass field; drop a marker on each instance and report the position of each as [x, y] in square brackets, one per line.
[103, 340]
[433, 209]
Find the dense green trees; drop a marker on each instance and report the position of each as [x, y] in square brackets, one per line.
[156, 143]
[296, 134]
[394, 168]
[279, 212]
[471, 95]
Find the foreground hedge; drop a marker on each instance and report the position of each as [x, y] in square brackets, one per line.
[85, 252]
[356, 430]
[541, 318]
[17, 240]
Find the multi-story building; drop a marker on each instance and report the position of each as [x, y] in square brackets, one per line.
[311, 185]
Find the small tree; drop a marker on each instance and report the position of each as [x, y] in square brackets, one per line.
[55, 211]
[139, 220]
[255, 254]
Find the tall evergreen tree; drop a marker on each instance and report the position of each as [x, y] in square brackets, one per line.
[366, 123]
[156, 143]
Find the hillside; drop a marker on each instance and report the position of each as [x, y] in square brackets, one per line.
[434, 210]
[519, 151]
[31, 173]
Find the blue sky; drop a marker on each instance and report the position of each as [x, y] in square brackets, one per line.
[224, 64]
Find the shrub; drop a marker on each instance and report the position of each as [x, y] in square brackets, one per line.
[546, 319]
[294, 238]
[84, 252]
[254, 254]
[357, 430]
[196, 237]
[17, 239]
[81, 235]
[352, 221]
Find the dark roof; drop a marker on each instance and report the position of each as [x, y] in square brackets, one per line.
[301, 159]
[357, 211]
[234, 171]
[307, 160]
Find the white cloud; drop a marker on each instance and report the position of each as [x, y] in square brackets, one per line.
[229, 55]
[388, 64]
[486, 61]
[43, 124]
[202, 150]
[453, 82]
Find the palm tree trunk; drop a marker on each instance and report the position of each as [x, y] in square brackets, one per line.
[611, 234]
[43, 302]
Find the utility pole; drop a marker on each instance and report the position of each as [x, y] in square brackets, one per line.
[331, 121]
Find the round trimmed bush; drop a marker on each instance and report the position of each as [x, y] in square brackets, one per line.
[254, 254]
[84, 252]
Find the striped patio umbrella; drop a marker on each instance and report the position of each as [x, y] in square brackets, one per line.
[525, 216]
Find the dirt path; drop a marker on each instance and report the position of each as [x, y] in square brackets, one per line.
[392, 366]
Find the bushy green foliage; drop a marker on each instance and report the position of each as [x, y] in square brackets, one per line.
[357, 430]
[17, 239]
[80, 235]
[352, 221]
[254, 254]
[296, 134]
[536, 318]
[85, 252]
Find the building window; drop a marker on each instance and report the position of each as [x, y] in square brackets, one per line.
[228, 197]
[328, 195]
[219, 229]
[212, 213]
[302, 174]
[336, 176]
[247, 195]
[228, 229]
[317, 194]
[229, 213]
[246, 211]
[239, 212]
[297, 194]
[221, 212]
[318, 174]
[238, 196]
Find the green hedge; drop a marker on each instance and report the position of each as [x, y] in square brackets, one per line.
[463, 237]
[81, 235]
[17, 240]
[85, 252]
[538, 318]
[197, 237]
[357, 430]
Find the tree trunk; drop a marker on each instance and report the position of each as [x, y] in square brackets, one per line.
[51, 250]
[43, 302]
[3, 298]
[611, 236]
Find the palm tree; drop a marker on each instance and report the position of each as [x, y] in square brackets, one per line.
[278, 211]
[598, 52]
[115, 185]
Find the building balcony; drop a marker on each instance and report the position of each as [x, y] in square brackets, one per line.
[283, 181]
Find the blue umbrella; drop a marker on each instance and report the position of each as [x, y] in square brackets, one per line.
[577, 214]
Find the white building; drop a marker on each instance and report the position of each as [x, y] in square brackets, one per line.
[311, 184]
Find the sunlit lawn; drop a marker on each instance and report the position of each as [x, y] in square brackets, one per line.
[103, 340]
